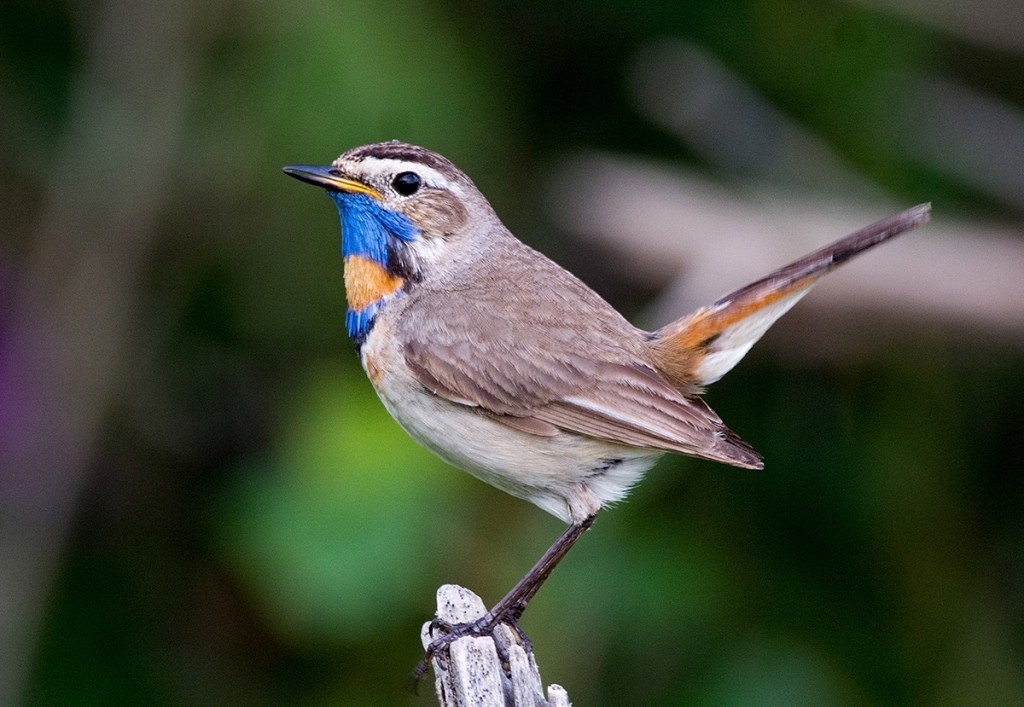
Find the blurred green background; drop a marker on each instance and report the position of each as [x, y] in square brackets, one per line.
[203, 503]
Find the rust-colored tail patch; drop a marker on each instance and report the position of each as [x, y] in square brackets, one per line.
[700, 348]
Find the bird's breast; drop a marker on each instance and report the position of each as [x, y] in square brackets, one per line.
[368, 287]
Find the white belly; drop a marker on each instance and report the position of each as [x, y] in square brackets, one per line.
[568, 475]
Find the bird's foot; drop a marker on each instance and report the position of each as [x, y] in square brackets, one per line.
[484, 626]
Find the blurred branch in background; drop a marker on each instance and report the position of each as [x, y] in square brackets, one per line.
[962, 276]
[66, 343]
[991, 23]
[664, 221]
[977, 139]
[729, 124]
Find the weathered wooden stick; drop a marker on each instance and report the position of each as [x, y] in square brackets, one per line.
[470, 673]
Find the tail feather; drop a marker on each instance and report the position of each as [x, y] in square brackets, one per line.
[700, 348]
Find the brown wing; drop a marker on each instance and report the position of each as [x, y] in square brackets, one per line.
[702, 347]
[557, 357]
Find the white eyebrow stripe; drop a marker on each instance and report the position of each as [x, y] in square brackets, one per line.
[377, 167]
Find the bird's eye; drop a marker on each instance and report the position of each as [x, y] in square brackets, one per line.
[406, 183]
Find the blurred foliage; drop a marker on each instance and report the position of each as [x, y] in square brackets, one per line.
[257, 531]
[290, 524]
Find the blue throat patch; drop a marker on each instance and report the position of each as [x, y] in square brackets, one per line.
[367, 228]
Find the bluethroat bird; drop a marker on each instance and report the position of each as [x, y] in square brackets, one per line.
[509, 367]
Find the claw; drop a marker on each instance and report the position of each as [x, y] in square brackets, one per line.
[508, 610]
[484, 626]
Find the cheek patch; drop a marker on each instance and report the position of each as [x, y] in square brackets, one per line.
[441, 210]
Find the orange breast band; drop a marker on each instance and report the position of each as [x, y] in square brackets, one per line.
[367, 282]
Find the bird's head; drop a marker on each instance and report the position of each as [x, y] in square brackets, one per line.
[403, 209]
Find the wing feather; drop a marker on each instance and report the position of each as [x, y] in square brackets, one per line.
[558, 358]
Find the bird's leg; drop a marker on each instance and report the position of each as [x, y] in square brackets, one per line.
[513, 604]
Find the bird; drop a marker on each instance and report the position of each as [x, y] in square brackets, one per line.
[509, 367]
